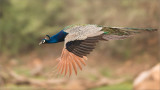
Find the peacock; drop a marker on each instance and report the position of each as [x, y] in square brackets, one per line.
[80, 40]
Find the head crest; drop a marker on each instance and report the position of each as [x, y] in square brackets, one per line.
[47, 37]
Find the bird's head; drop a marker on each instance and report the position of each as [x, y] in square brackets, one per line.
[59, 37]
[45, 40]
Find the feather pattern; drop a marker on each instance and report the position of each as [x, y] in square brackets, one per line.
[82, 32]
[82, 47]
[118, 33]
[80, 40]
[69, 62]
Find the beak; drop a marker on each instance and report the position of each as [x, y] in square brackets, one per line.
[40, 43]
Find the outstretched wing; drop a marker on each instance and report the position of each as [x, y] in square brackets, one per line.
[81, 40]
[77, 46]
[82, 47]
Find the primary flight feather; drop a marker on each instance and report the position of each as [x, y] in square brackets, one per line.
[80, 40]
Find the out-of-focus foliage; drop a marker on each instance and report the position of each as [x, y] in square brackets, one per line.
[22, 23]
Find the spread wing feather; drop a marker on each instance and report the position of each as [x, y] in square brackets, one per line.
[81, 40]
[74, 55]
[82, 47]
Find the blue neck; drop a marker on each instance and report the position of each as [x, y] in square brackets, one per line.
[59, 37]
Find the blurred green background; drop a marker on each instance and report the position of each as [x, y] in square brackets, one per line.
[23, 23]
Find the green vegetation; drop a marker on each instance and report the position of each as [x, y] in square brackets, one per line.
[23, 71]
[21, 87]
[106, 72]
[121, 86]
[24, 23]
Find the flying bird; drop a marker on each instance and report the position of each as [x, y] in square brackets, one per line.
[80, 40]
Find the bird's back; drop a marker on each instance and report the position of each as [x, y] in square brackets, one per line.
[81, 32]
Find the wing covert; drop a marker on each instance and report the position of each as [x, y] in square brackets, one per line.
[82, 47]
